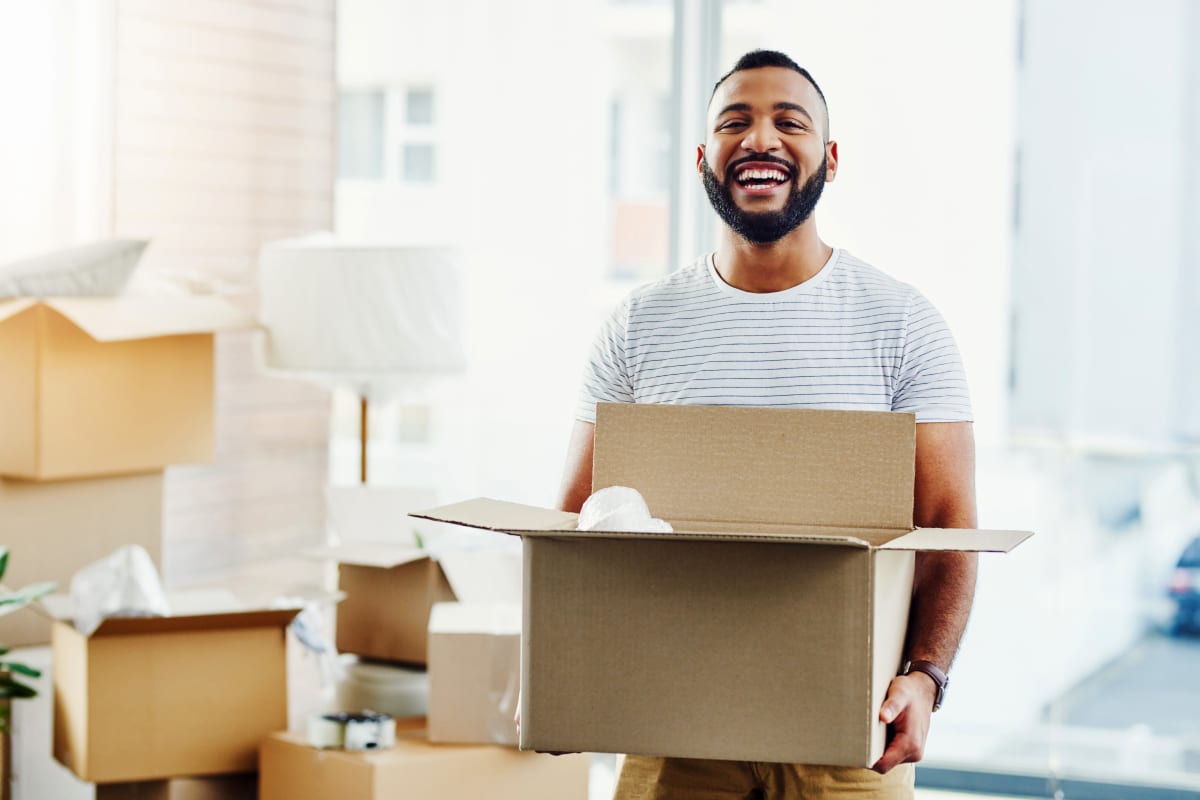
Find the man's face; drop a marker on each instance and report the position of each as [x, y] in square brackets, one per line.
[766, 160]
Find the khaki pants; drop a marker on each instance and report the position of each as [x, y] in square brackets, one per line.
[646, 778]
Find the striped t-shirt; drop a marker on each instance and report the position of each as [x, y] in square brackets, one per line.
[850, 337]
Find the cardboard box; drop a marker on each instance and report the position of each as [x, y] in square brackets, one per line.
[416, 770]
[767, 627]
[159, 697]
[224, 787]
[53, 529]
[99, 386]
[389, 592]
[474, 672]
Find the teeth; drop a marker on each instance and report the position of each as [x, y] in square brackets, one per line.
[762, 175]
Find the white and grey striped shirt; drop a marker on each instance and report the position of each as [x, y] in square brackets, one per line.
[851, 337]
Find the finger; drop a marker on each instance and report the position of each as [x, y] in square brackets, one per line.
[897, 752]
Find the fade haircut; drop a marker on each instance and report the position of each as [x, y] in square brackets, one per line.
[757, 59]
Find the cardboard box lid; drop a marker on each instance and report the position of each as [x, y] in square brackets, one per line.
[534, 522]
[113, 319]
[124, 626]
[809, 467]
[190, 611]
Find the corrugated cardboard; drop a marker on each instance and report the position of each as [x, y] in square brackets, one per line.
[416, 770]
[389, 592]
[224, 787]
[101, 386]
[53, 529]
[474, 672]
[766, 627]
[149, 698]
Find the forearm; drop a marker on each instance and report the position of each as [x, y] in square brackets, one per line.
[943, 589]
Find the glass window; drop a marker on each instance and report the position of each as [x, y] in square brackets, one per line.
[418, 163]
[360, 134]
[418, 107]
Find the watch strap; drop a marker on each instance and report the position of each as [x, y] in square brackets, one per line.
[940, 678]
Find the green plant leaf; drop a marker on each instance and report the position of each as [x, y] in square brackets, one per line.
[15, 689]
[4, 651]
[3, 560]
[22, 597]
[23, 669]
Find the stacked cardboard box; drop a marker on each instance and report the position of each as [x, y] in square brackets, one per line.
[153, 698]
[415, 769]
[99, 395]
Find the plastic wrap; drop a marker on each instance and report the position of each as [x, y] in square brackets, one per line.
[619, 508]
[123, 584]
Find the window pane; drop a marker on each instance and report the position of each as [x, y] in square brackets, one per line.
[418, 163]
[418, 107]
[360, 134]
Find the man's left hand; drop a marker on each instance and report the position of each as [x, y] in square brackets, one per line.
[907, 709]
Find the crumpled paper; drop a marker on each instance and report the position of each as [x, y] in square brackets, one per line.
[122, 584]
[619, 508]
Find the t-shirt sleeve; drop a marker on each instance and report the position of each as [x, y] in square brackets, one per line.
[931, 382]
[606, 375]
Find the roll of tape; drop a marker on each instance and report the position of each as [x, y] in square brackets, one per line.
[361, 730]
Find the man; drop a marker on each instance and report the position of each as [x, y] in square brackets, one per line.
[778, 317]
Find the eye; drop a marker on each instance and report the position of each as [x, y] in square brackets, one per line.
[731, 124]
[792, 125]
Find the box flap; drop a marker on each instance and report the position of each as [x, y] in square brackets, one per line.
[958, 539]
[10, 308]
[123, 626]
[811, 467]
[533, 522]
[113, 319]
[367, 554]
[500, 515]
[483, 576]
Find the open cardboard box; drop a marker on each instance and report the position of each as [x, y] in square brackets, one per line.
[147, 698]
[415, 769]
[389, 591]
[54, 528]
[767, 627]
[98, 386]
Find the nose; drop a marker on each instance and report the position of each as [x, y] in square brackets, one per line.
[761, 137]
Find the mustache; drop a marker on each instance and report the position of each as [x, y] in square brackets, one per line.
[761, 158]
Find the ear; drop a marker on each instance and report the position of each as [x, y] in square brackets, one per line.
[700, 159]
[831, 160]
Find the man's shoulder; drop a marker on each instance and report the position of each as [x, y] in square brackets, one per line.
[686, 282]
[856, 274]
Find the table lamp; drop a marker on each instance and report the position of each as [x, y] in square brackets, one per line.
[372, 318]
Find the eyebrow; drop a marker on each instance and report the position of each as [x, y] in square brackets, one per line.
[784, 106]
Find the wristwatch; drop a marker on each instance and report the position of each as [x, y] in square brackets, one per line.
[940, 679]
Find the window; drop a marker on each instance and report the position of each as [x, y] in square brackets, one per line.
[418, 163]
[418, 109]
[360, 135]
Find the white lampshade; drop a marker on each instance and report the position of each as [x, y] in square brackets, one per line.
[365, 317]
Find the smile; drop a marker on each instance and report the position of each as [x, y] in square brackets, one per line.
[761, 178]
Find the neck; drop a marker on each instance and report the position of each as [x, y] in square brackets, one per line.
[772, 267]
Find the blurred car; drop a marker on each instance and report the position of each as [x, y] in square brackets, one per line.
[1185, 590]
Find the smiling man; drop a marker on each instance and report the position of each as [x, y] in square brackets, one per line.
[777, 317]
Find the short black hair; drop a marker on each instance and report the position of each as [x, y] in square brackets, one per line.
[757, 59]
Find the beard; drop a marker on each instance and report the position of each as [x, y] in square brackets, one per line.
[764, 227]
